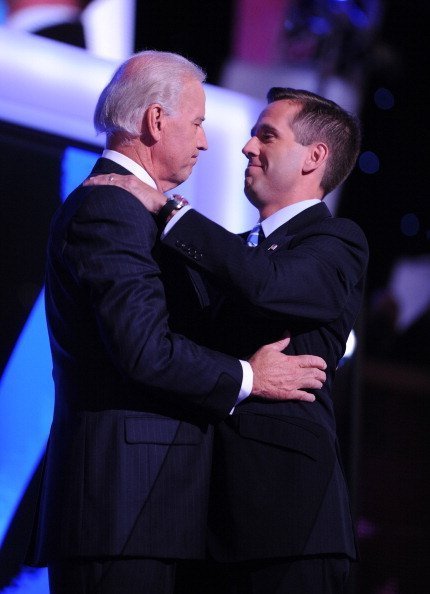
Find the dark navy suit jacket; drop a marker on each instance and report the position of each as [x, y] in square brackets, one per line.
[278, 488]
[128, 460]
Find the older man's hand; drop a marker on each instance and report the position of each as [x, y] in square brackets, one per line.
[285, 377]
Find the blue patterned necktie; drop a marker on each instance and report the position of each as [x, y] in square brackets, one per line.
[256, 235]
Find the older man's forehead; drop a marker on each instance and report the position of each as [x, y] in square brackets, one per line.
[193, 97]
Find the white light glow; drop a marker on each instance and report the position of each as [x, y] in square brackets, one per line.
[109, 28]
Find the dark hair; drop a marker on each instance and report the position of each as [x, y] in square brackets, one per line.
[320, 119]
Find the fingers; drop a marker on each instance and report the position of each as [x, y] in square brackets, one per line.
[110, 179]
[279, 345]
[303, 360]
[312, 361]
[310, 378]
[303, 396]
[314, 379]
[291, 395]
[151, 198]
[99, 180]
[314, 383]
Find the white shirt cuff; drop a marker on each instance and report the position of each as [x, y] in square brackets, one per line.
[246, 388]
[175, 219]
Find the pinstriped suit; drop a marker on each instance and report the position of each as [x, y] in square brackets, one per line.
[128, 460]
[278, 488]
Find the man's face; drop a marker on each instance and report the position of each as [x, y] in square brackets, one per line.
[275, 160]
[182, 138]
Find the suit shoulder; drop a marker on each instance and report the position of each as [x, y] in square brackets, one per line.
[103, 210]
[343, 227]
[110, 198]
[104, 202]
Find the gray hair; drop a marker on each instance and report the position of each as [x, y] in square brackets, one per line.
[147, 77]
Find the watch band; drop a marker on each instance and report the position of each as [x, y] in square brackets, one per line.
[173, 204]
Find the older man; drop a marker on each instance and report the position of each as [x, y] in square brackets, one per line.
[125, 486]
[279, 519]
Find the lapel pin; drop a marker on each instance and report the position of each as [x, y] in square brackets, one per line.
[272, 247]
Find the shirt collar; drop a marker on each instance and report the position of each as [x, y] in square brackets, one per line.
[130, 165]
[283, 215]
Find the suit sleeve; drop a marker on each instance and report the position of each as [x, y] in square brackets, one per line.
[320, 267]
[108, 251]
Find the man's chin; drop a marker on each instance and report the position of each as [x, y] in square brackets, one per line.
[179, 179]
[185, 173]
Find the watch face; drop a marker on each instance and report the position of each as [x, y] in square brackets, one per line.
[180, 201]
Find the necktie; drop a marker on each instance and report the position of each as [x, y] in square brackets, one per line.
[256, 235]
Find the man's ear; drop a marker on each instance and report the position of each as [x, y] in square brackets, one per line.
[153, 122]
[317, 155]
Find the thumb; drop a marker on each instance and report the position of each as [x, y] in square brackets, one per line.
[279, 345]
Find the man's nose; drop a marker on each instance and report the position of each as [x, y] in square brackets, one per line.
[202, 141]
[250, 147]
